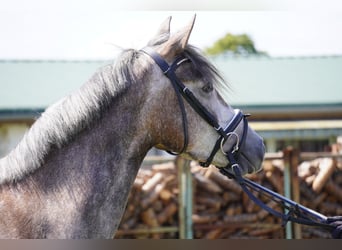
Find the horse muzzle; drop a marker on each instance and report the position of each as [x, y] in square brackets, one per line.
[251, 155]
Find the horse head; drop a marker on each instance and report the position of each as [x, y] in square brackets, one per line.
[197, 123]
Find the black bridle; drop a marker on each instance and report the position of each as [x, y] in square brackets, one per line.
[182, 91]
[296, 212]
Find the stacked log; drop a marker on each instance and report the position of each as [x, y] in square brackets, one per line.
[152, 208]
[321, 190]
[220, 209]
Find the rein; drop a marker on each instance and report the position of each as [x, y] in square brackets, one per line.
[182, 91]
[296, 213]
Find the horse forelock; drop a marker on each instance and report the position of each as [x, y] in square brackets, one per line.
[61, 122]
[207, 70]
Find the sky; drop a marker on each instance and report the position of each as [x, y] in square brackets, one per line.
[82, 29]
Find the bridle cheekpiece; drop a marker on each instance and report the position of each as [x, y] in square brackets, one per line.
[182, 91]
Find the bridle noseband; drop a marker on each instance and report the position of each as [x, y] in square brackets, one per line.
[182, 91]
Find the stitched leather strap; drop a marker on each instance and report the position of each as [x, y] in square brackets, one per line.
[181, 89]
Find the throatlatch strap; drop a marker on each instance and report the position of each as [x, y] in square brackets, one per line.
[169, 72]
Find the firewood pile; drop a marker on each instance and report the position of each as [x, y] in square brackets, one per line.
[220, 209]
[152, 203]
[321, 190]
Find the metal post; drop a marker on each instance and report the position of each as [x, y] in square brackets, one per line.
[185, 198]
[287, 187]
[297, 228]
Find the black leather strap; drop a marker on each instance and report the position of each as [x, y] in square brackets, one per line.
[238, 117]
[296, 212]
[181, 89]
[169, 71]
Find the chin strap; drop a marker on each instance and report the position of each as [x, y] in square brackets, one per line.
[296, 212]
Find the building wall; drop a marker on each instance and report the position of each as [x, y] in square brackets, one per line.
[305, 135]
[10, 135]
[318, 139]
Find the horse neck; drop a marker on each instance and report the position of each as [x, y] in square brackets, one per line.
[108, 157]
[93, 173]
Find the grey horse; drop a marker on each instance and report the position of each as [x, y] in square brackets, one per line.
[71, 174]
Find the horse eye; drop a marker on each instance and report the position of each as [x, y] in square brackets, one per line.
[207, 88]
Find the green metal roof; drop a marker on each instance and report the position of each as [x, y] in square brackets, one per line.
[37, 84]
[283, 81]
[255, 81]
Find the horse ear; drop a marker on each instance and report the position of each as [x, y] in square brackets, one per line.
[163, 33]
[177, 42]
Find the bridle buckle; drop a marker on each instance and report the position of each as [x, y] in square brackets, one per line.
[235, 148]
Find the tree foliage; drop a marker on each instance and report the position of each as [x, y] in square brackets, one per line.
[236, 44]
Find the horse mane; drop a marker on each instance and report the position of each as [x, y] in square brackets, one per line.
[62, 121]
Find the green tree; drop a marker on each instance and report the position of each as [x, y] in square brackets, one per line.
[237, 44]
